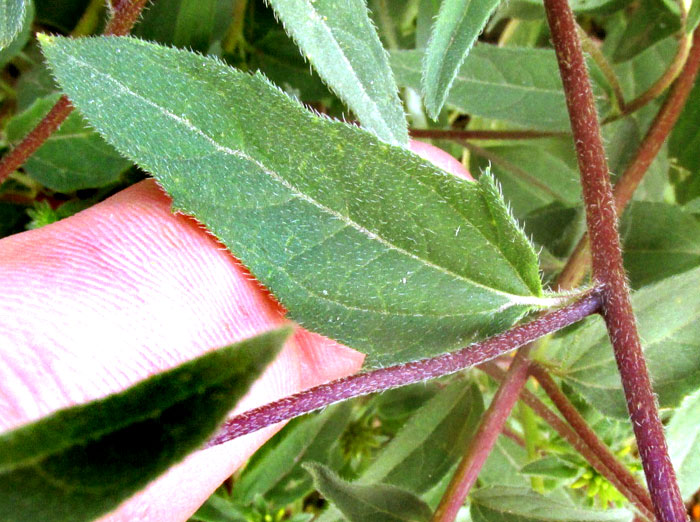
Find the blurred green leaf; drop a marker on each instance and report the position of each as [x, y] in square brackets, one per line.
[276, 470]
[668, 315]
[683, 437]
[361, 241]
[507, 504]
[502, 468]
[651, 22]
[456, 28]
[551, 467]
[363, 502]
[514, 84]
[191, 24]
[83, 461]
[685, 137]
[428, 445]
[660, 240]
[340, 41]
[72, 158]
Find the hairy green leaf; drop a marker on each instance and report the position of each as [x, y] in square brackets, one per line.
[275, 471]
[340, 41]
[456, 28]
[14, 45]
[12, 13]
[502, 467]
[72, 158]
[533, 175]
[83, 461]
[501, 504]
[683, 436]
[668, 318]
[363, 502]
[518, 85]
[660, 240]
[361, 241]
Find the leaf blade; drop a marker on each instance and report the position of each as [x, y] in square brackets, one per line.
[361, 241]
[338, 38]
[361, 502]
[83, 461]
[458, 24]
[12, 13]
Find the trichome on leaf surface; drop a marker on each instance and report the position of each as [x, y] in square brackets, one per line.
[284, 128]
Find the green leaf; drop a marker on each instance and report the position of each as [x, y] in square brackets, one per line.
[14, 45]
[341, 43]
[12, 14]
[660, 240]
[683, 437]
[430, 442]
[83, 461]
[362, 241]
[512, 84]
[428, 445]
[458, 24]
[362, 502]
[275, 470]
[550, 467]
[193, 24]
[502, 468]
[651, 22]
[668, 315]
[72, 158]
[685, 136]
[218, 509]
[501, 504]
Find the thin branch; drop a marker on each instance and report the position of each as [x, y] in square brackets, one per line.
[403, 374]
[481, 444]
[126, 13]
[601, 458]
[607, 264]
[455, 134]
[660, 85]
[575, 269]
[581, 427]
[599, 58]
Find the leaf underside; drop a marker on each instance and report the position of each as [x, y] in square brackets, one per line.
[362, 241]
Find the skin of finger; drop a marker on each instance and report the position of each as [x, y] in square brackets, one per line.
[124, 290]
[440, 158]
[102, 300]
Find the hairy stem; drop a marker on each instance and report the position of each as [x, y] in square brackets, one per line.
[575, 269]
[125, 14]
[455, 134]
[600, 458]
[579, 424]
[608, 270]
[403, 374]
[482, 442]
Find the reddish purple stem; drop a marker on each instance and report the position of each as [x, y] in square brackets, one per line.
[403, 374]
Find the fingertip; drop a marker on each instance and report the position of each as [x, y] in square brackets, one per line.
[439, 158]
